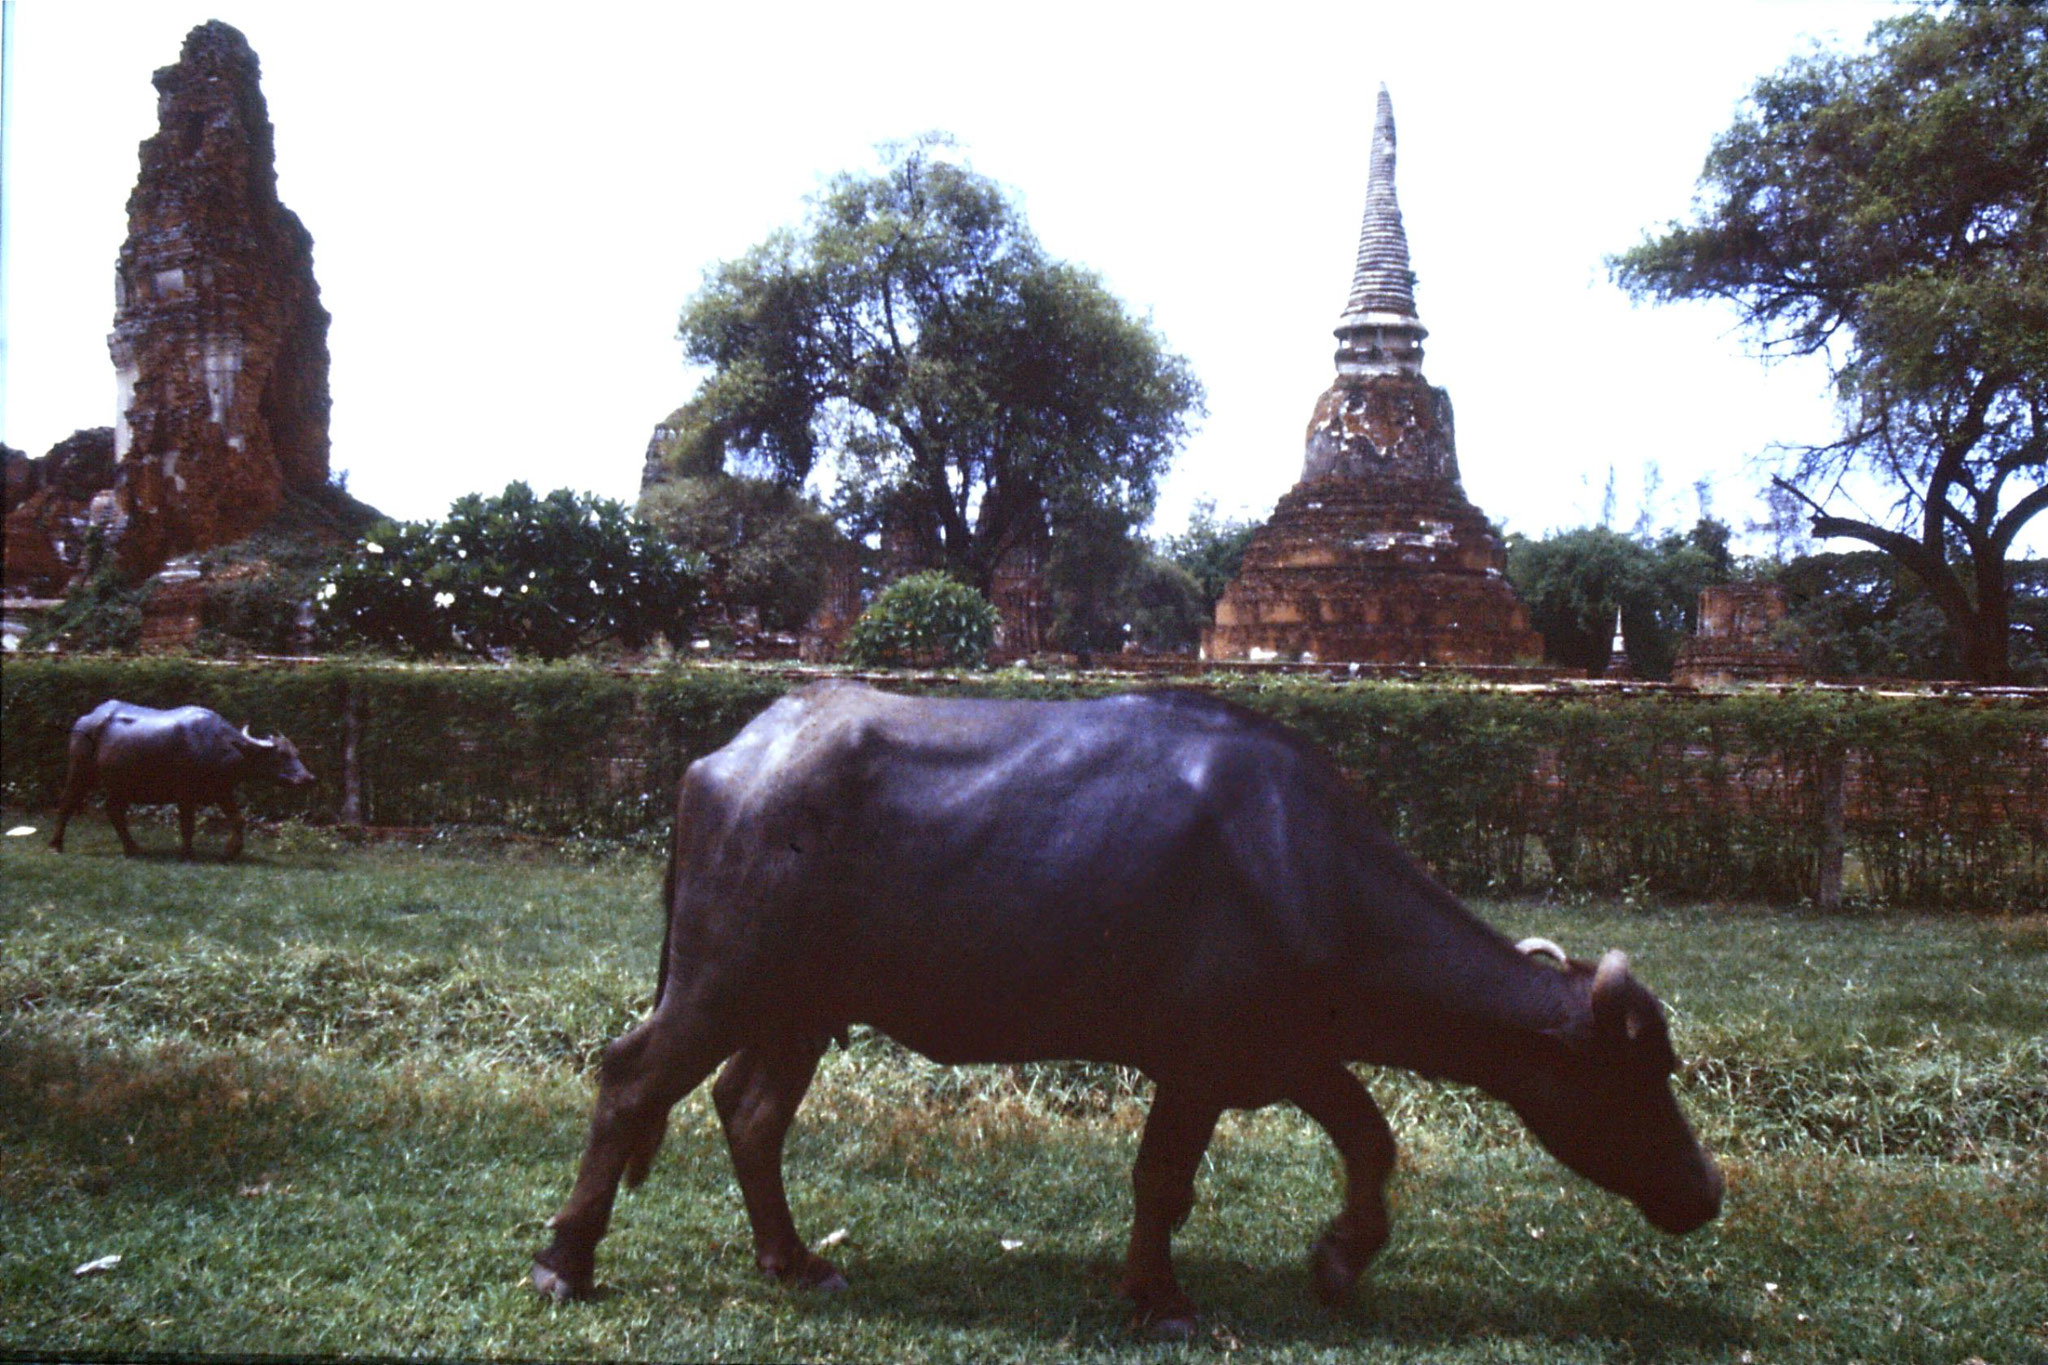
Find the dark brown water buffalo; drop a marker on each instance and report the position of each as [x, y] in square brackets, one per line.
[1161, 881]
[189, 756]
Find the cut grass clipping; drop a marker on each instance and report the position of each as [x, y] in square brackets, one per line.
[321, 1103]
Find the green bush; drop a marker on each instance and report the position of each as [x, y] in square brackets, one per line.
[927, 619]
[516, 574]
[101, 613]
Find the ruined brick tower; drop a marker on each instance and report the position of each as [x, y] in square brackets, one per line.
[1376, 555]
[219, 341]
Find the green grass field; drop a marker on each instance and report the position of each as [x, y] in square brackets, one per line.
[321, 1103]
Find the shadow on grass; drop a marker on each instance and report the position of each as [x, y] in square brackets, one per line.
[161, 1118]
[1058, 1296]
[162, 856]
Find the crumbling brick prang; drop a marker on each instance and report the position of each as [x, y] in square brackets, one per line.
[220, 341]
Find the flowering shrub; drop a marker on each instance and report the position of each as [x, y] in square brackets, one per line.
[516, 574]
[927, 618]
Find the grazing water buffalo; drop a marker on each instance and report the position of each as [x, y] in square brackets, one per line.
[189, 756]
[1162, 881]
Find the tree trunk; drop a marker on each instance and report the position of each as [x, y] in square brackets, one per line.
[351, 768]
[1986, 656]
[1980, 627]
[1834, 840]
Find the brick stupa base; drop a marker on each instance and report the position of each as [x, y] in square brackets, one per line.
[1347, 571]
[1737, 640]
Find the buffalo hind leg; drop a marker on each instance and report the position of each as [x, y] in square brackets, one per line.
[1334, 1098]
[757, 1095]
[79, 776]
[188, 814]
[77, 786]
[117, 816]
[642, 1076]
[1177, 1132]
[234, 815]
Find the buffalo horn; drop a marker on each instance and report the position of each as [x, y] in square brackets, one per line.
[1543, 947]
[259, 743]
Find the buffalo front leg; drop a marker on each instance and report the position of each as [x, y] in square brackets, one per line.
[1334, 1098]
[1177, 1132]
[757, 1097]
[640, 1079]
[188, 814]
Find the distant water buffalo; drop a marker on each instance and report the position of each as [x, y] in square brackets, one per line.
[188, 756]
[1161, 881]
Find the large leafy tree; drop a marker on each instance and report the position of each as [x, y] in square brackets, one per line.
[964, 393]
[1575, 581]
[1211, 550]
[1888, 209]
[1861, 614]
[767, 549]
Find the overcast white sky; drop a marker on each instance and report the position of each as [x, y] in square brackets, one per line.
[509, 204]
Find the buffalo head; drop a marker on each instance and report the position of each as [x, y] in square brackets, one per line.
[1599, 1098]
[276, 758]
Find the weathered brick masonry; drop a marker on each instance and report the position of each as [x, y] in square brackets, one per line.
[1376, 555]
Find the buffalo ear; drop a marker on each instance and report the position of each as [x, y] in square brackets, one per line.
[1624, 1009]
[1611, 982]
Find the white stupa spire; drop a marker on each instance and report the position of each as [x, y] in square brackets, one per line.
[1379, 330]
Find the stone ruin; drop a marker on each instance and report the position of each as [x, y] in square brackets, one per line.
[1376, 555]
[219, 348]
[1738, 640]
[220, 341]
[1618, 669]
[60, 511]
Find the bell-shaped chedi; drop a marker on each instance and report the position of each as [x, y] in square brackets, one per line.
[219, 341]
[1376, 555]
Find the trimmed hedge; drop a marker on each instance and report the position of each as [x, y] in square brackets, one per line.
[560, 749]
[1944, 801]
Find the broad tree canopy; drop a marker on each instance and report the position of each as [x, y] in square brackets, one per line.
[958, 387]
[1889, 209]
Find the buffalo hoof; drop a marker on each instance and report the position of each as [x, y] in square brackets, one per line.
[811, 1272]
[831, 1282]
[1332, 1271]
[1161, 1314]
[1341, 1255]
[562, 1277]
[553, 1286]
[1172, 1329]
